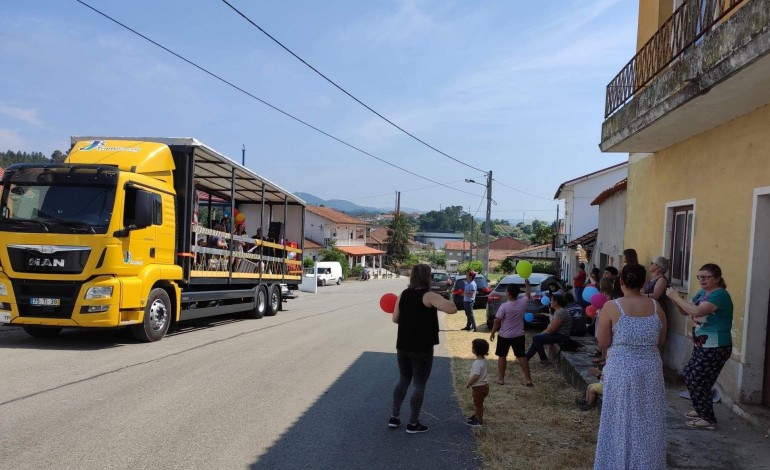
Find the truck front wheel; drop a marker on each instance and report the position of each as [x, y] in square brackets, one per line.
[157, 317]
[41, 331]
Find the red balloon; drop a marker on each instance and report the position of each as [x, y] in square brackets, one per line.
[591, 311]
[388, 302]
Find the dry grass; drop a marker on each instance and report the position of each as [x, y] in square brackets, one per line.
[524, 427]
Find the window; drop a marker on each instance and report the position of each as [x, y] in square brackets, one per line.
[157, 210]
[681, 226]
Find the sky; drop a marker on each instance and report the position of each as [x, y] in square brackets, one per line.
[512, 87]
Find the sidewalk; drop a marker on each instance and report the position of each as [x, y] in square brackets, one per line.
[735, 444]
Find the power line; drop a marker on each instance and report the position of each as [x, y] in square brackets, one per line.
[520, 191]
[285, 113]
[344, 90]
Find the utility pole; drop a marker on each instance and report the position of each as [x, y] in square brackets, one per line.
[243, 156]
[489, 221]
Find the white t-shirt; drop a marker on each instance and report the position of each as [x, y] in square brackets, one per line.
[479, 367]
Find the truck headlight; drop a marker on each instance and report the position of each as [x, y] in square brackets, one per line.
[99, 292]
[3, 289]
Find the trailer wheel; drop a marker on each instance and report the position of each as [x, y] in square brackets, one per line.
[157, 317]
[273, 300]
[41, 331]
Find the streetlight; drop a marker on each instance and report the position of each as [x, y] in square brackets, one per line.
[489, 217]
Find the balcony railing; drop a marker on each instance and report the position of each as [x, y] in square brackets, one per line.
[561, 241]
[350, 242]
[686, 26]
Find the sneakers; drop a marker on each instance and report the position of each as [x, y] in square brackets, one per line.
[394, 422]
[415, 428]
[583, 405]
[473, 422]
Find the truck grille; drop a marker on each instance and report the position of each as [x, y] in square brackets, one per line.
[65, 292]
[48, 259]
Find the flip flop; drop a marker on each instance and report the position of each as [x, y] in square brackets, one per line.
[692, 415]
[499, 383]
[530, 384]
[701, 424]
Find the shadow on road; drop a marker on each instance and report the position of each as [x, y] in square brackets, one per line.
[347, 426]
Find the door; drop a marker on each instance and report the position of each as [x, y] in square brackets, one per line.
[766, 383]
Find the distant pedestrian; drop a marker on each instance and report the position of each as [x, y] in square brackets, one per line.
[593, 278]
[416, 313]
[477, 382]
[610, 271]
[711, 312]
[579, 282]
[509, 321]
[469, 298]
[630, 256]
[632, 428]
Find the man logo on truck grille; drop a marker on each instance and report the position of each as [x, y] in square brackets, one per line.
[46, 262]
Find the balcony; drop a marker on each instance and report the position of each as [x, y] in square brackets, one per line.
[561, 242]
[356, 242]
[705, 66]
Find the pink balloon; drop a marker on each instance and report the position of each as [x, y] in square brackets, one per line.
[598, 300]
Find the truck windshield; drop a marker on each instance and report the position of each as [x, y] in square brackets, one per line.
[60, 199]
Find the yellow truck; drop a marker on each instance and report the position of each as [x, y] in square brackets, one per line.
[143, 233]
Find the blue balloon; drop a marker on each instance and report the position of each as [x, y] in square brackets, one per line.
[545, 300]
[528, 317]
[588, 292]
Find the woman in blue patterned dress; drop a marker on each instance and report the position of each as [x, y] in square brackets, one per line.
[632, 429]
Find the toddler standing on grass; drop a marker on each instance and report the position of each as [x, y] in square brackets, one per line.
[478, 381]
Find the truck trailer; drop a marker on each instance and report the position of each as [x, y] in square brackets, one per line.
[141, 233]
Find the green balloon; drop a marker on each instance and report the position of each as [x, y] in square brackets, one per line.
[524, 269]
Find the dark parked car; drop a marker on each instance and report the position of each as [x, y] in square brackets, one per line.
[535, 307]
[482, 291]
[441, 283]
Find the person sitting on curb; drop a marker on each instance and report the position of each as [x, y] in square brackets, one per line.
[558, 329]
[592, 392]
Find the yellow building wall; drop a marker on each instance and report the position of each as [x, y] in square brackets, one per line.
[719, 170]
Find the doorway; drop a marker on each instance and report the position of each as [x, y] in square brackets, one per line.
[766, 382]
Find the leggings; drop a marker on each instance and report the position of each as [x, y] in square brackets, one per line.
[701, 374]
[414, 367]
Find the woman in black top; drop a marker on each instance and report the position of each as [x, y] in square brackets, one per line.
[416, 313]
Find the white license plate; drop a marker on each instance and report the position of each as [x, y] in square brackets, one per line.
[5, 317]
[44, 301]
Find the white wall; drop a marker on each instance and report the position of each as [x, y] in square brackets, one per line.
[580, 216]
[612, 220]
[318, 228]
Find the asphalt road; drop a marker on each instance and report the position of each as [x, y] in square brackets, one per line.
[307, 389]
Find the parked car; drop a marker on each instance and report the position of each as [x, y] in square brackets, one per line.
[535, 306]
[441, 283]
[482, 291]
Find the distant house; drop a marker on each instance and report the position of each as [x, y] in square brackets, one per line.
[438, 239]
[458, 251]
[507, 243]
[325, 226]
[608, 249]
[580, 218]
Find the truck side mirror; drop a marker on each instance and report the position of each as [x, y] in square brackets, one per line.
[144, 208]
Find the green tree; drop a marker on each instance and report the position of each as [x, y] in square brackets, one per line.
[58, 156]
[398, 240]
[332, 253]
[507, 265]
[543, 235]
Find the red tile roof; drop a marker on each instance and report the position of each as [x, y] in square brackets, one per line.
[378, 236]
[458, 246]
[616, 188]
[360, 250]
[311, 245]
[335, 216]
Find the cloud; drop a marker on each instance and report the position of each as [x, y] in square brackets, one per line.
[401, 26]
[25, 115]
[11, 140]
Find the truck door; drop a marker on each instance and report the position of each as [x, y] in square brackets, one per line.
[139, 248]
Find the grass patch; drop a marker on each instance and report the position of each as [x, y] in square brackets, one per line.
[524, 427]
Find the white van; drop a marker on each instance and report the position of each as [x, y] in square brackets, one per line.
[329, 272]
